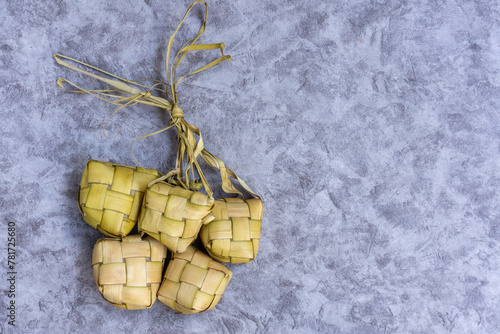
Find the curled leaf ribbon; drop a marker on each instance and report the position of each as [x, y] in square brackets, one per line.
[189, 148]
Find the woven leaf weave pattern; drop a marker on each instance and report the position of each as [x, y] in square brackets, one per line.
[193, 282]
[128, 271]
[174, 215]
[110, 196]
[233, 236]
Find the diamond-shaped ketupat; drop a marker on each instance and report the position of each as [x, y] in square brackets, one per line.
[110, 196]
[174, 215]
[128, 271]
[193, 282]
[234, 234]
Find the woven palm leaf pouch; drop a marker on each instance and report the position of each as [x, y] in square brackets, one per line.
[174, 215]
[128, 271]
[110, 196]
[234, 234]
[193, 282]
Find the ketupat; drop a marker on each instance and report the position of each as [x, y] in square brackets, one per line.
[128, 271]
[174, 215]
[110, 196]
[193, 282]
[234, 234]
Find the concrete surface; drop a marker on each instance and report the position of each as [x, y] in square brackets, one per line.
[371, 128]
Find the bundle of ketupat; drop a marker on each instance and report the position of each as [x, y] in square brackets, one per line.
[170, 208]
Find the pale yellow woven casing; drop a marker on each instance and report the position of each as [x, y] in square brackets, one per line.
[233, 236]
[193, 282]
[174, 215]
[128, 271]
[110, 196]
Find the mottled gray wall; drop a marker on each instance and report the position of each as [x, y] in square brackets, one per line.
[374, 126]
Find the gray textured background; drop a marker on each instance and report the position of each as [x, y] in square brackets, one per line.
[374, 126]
